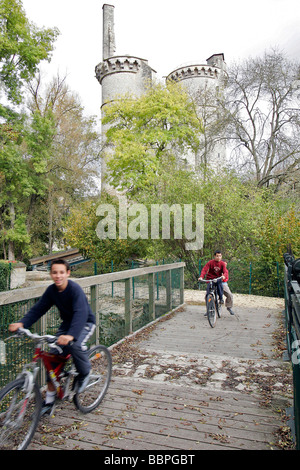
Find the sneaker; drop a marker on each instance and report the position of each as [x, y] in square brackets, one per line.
[82, 383]
[221, 301]
[230, 311]
[47, 408]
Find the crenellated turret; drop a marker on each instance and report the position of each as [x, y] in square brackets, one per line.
[119, 74]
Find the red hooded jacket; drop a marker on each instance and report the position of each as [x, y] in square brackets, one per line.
[214, 269]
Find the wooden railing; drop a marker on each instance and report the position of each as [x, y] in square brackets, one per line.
[122, 301]
[292, 320]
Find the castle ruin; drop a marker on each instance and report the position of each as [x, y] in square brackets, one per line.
[126, 74]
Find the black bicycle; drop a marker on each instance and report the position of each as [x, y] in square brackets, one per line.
[213, 305]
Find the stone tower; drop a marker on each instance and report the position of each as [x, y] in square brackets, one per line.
[118, 74]
[122, 74]
[204, 82]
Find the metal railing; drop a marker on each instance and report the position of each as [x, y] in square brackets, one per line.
[292, 319]
[123, 302]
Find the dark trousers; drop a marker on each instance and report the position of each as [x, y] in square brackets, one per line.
[219, 289]
[78, 349]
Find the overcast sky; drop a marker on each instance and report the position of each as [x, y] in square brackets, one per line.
[167, 33]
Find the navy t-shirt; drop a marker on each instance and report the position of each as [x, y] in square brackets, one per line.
[72, 304]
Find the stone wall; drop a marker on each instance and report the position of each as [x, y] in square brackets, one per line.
[18, 275]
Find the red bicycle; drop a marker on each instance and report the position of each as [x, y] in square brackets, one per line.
[21, 399]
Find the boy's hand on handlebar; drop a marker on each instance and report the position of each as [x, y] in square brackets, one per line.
[15, 326]
[64, 340]
[200, 279]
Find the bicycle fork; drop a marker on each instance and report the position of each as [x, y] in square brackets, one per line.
[29, 381]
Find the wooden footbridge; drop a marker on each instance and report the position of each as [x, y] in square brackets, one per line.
[180, 385]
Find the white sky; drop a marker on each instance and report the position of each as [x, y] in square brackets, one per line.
[165, 32]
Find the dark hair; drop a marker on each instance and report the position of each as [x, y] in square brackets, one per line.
[217, 251]
[60, 261]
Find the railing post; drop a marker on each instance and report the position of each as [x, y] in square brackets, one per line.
[95, 309]
[151, 296]
[112, 284]
[128, 307]
[278, 282]
[168, 290]
[181, 285]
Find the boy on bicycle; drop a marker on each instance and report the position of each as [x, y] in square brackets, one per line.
[213, 269]
[78, 323]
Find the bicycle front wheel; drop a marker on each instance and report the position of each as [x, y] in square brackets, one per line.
[211, 311]
[19, 415]
[219, 308]
[101, 367]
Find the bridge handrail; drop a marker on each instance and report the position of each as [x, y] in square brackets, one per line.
[292, 320]
[28, 293]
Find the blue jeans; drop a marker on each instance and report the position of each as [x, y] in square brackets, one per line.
[219, 289]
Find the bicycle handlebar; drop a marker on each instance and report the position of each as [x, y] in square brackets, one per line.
[35, 336]
[210, 280]
[50, 339]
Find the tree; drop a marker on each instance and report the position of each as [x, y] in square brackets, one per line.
[211, 115]
[23, 159]
[70, 160]
[264, 117]
[81, 226]
[147, 132]
[22, 47]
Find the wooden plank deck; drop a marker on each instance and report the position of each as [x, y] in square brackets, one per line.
[181, 385]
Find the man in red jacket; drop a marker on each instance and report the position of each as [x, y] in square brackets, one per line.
[217, 268]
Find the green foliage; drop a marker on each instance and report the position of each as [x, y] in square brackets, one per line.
[248, 224]
[23, 152]
[81, 232]
[4, 276]
[22, 47]
[23, 168]
[145, 132]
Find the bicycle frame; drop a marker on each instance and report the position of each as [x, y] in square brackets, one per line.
[54, 372]
[212, 285]
[213, 288]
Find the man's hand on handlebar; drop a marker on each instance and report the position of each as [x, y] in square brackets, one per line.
[15, 326]
[64, 340]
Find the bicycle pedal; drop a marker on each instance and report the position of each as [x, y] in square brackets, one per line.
[51, 414]
[71, 395]
[48, 410]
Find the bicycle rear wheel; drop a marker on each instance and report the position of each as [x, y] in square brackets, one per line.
[211, 311]
[19, 415]
[101, 367]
